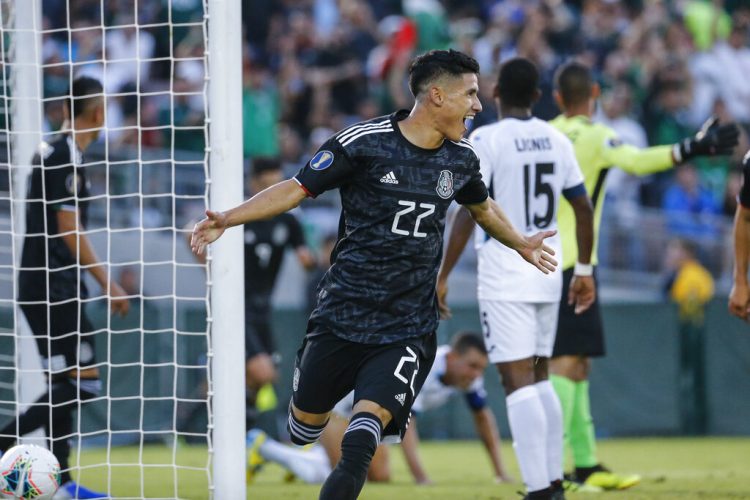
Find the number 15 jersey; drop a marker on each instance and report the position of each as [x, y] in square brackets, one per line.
[380, 287]
[527, 165]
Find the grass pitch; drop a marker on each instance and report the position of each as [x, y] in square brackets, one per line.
[685, 469]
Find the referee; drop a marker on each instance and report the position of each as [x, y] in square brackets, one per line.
[51, 289]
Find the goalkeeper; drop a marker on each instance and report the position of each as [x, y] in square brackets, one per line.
[51, 290]
[581, 336]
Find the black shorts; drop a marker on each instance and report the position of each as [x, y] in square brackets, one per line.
[328, 367]
[63, 335]
[578, 334]
[258, 333]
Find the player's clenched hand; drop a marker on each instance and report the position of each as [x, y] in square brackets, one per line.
[581, 293]
[535, 252]
[119, 303]
[441, 288]
[207, 231]
[739, 301]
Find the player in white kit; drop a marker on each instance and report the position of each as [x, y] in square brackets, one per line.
[527, 166]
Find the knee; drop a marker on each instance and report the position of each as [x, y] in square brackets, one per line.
[517, 374]
[305, 428]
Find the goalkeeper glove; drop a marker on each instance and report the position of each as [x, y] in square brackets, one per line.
[711, 140]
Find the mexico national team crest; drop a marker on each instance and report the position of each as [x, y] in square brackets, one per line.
[322, 160]
[445, 184]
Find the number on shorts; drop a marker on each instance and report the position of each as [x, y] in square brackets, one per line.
[410, 358]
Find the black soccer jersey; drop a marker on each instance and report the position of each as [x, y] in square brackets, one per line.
[57, 182]
[381, 284]
[265, 243]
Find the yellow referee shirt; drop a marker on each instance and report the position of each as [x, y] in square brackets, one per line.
[597, 149]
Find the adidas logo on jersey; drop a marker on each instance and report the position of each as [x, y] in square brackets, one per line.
[389, 178]
[401, 398]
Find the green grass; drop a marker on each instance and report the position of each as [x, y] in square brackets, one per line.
[685, 469]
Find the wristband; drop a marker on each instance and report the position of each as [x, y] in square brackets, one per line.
[583, 269]
[676, 153]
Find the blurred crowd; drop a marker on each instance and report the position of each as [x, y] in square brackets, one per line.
[312, 67]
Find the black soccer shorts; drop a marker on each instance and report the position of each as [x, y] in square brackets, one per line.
[328, 367]
[63, 335]
[578, 334]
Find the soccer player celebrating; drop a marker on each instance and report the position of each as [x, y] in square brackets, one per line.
[739, 297]
[527, 166]
[581, 336]
[56, 252]
[373, 329]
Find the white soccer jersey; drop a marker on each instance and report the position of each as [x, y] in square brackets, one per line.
[526, 164]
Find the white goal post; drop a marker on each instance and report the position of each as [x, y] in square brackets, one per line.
[183, 343]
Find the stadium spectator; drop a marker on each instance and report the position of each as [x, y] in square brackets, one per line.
[457, 369]
[376, 315]
[56, 254]
[689, 206]
[518, 308]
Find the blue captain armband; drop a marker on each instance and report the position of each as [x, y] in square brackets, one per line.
[574, 192]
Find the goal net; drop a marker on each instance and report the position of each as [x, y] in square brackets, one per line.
[148, 431]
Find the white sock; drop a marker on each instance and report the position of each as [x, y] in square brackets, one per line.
[553, 411]
[528, 426]
[308, 465]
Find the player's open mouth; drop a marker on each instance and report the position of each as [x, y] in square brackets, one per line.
[468, 121]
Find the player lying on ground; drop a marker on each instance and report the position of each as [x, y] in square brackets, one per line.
[458, 368]
[373, 329]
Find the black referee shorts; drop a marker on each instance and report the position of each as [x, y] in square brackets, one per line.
[578, 334]
[328, 367]
[63, 335]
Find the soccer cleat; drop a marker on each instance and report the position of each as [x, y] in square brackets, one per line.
[71, 490]
[255, 438]
[558, 490]
[576, 487]
[605, 479]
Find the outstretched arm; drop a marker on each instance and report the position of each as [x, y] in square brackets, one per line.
[270, 202]
[484, 421]
[532, 248]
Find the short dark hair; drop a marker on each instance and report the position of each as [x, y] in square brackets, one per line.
[518, 82]
[83, 95]
[574, 82]
[465, 340]
[264, 164]
[430, 66]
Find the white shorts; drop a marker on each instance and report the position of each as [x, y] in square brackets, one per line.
[518, 330]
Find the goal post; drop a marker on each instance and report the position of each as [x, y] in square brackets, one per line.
[226, 318]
